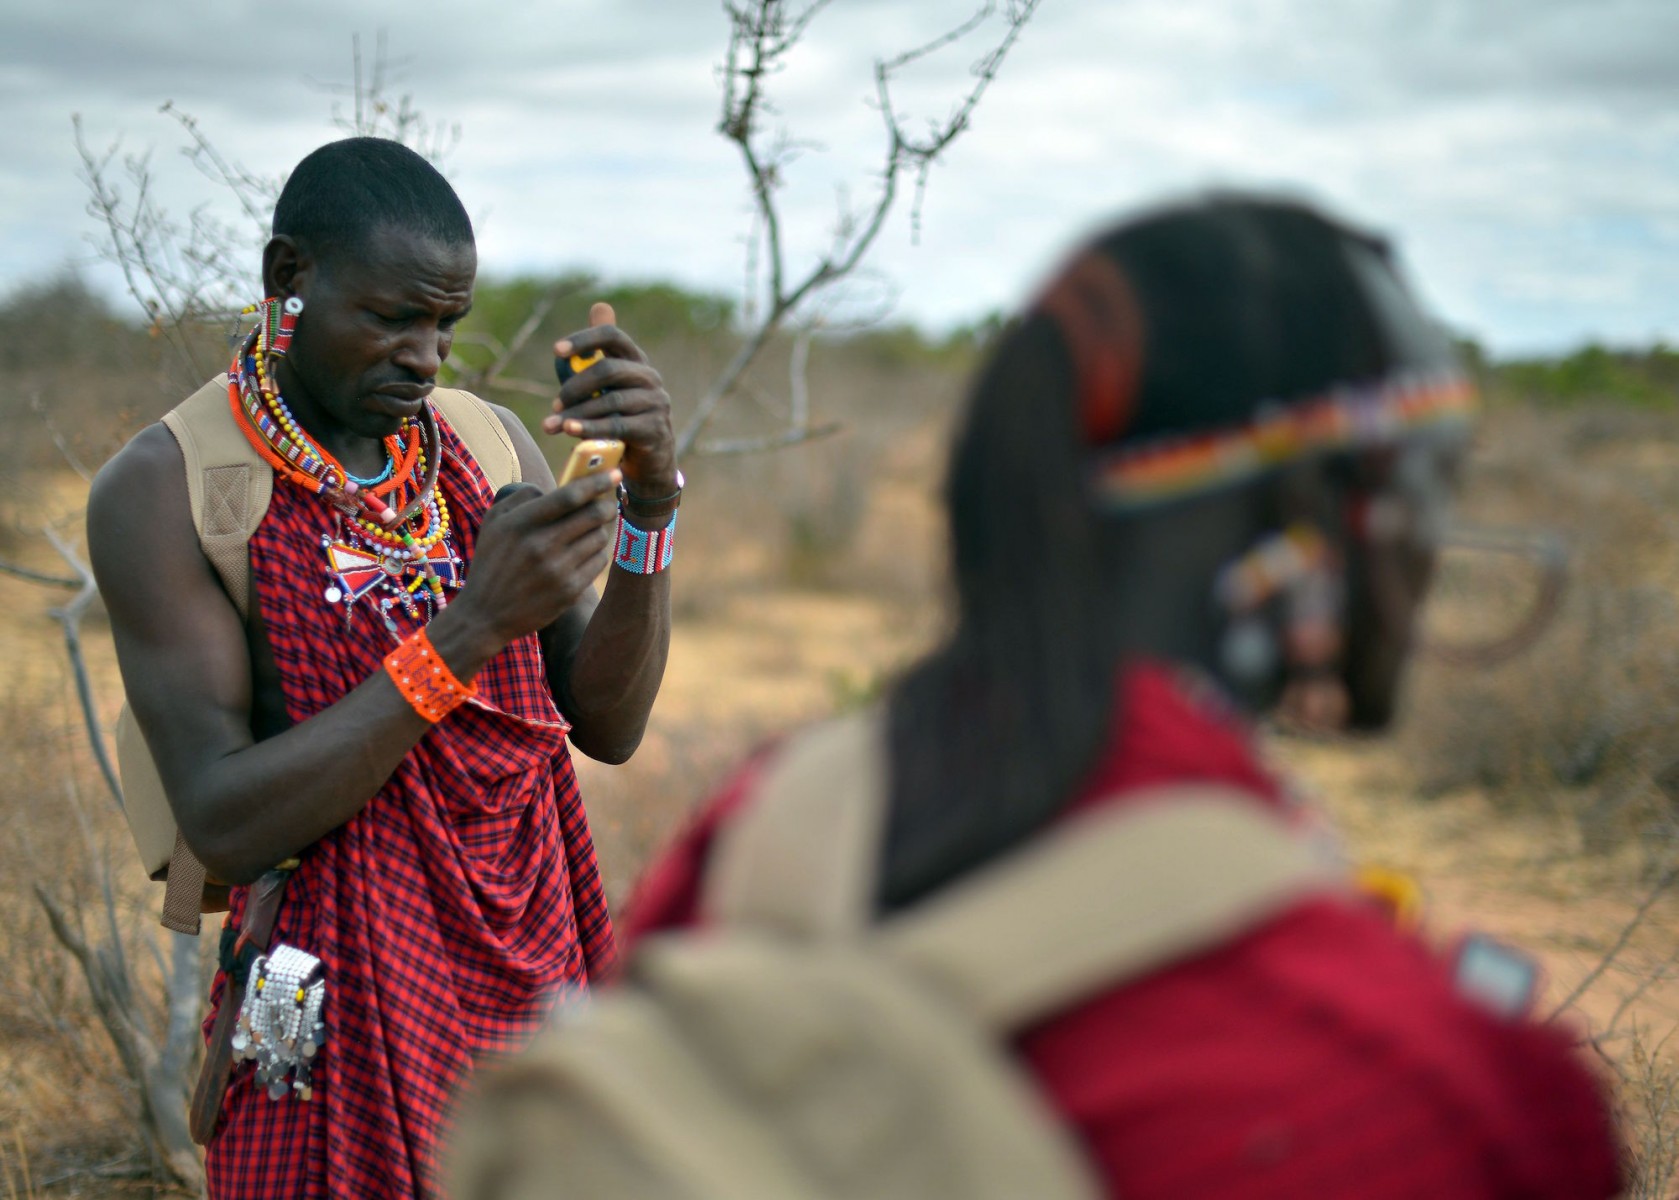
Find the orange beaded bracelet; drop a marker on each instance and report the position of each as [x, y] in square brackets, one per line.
[425, 680]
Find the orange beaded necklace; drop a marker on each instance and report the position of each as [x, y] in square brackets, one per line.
[397, 526]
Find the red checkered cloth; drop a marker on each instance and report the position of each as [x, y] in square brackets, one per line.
[1324, 1054]
[451, 913]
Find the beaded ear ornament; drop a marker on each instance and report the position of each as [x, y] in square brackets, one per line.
[390, 544]
[280, 1026]
[1294, 563]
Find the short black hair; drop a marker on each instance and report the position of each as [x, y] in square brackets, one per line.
[339, 194]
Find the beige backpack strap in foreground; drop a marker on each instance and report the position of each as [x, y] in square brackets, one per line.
[801, 858]
[1105, 898]
[1093, 901]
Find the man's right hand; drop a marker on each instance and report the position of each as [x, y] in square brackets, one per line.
[536, 555]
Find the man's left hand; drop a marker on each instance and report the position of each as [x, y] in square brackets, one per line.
[632, 407]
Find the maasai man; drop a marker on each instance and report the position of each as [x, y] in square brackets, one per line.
[395, 712]
[1200, 480]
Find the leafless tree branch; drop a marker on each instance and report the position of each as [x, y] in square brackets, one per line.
[494, 374]
[256, 195]
[160, 1075]
[69, 617]
[59, 440]
[160, 1068]
[761, 34]
[774, 441]
[40, 577]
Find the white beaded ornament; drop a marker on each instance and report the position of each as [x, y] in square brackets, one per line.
[280, 1027]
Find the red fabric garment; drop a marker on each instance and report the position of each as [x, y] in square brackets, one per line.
[1321, 1054]
[451, 913]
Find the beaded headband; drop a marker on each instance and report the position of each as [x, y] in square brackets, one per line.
[1164, 468]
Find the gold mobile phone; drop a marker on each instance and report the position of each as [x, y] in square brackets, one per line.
[591, 457]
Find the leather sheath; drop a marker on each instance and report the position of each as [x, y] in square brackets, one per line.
[262, 906]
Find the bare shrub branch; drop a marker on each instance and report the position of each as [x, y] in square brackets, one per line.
[40, 577]
[773, 441]
[159, 1065]
[69, 617]
[160, 1074]
[761, 35]
[1662, 884]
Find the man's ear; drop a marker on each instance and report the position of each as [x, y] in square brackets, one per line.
[287, 267]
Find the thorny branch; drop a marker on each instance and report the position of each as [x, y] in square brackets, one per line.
[255, 194]
[1657, 890]
[761, 35]
[377, 115]
[160, 1073]
[140, 239]
[67, 451]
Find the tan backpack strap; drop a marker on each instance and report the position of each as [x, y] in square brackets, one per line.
[802, 858]
[1090, 903]
[183, 889]
[483, 434]
[228, 484]
[229, 487]
[1113, 896]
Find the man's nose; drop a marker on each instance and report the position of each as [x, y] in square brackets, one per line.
[421, 354]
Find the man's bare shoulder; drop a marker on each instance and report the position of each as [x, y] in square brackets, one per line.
[139, 513]
[143, 474]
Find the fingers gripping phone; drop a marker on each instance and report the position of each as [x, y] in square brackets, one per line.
[591, 457]
[594, 455]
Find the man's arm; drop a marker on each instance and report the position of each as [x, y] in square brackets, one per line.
[243, 805]
[606, 658]
[606, 654]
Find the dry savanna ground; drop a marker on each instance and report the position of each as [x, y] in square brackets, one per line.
[1529, 800]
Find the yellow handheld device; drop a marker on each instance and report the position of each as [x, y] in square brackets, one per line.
[591, 457]
[576, 364]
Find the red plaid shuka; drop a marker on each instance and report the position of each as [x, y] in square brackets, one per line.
[451, 913]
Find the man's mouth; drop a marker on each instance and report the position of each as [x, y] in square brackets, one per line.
[401, 400]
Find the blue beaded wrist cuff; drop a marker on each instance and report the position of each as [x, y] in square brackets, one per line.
[643, 551]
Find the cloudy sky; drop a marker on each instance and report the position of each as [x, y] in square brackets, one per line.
[1523, 153]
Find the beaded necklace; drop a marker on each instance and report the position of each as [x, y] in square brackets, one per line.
[391, 532]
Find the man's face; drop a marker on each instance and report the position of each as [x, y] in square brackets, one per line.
[378, 321]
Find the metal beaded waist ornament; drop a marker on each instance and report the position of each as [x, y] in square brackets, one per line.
[280, 1025]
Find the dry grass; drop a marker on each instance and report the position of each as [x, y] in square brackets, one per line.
[807, 577]
[66, 1112]
[1587, 724]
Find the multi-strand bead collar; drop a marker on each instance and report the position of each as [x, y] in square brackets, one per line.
[400, 511]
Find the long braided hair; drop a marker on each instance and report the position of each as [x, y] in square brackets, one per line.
[1235, 301]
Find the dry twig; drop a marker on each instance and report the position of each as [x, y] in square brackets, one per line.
[762, 34]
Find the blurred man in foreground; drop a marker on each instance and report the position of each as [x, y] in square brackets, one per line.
[1200, 482]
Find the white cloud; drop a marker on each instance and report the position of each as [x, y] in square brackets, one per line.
[1522, 152]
